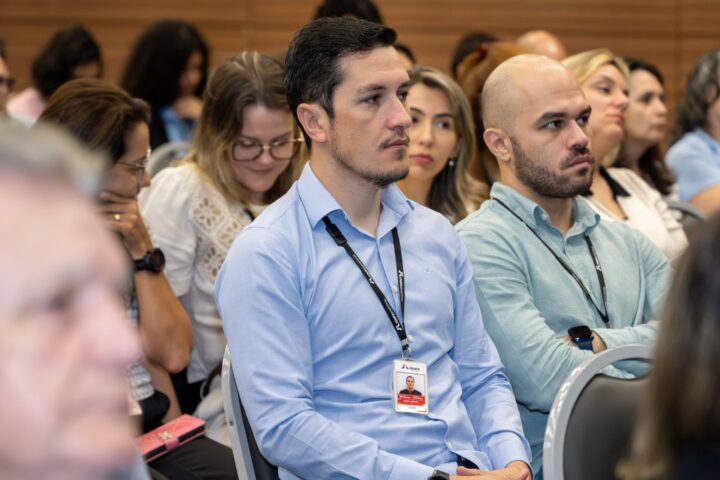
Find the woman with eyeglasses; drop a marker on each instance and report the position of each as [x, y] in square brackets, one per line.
[242, 158]
[109, 121]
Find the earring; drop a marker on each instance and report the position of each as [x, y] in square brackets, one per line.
[451, 162]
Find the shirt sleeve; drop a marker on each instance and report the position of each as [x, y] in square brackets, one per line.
[258, 293]
[165, 207]
[535, 357]
[487, 393]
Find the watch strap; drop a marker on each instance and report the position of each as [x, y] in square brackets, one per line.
[584, 343]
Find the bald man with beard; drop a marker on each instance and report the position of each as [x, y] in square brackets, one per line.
[554, 282]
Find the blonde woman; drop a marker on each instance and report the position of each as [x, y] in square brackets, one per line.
[442, 145]
[619, 193]
[242, 158]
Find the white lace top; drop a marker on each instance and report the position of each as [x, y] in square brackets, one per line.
[194, 225]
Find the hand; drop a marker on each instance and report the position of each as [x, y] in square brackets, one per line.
[513, 471]
[188, 106]
[122, 215]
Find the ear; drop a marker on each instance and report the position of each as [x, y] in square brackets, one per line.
[315, 121]
[499, 144]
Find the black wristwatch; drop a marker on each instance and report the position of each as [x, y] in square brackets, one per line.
[153, 261]
[582, 336]
[439, 475]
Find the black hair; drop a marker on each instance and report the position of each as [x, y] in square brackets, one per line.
[702, 90]
[466, 45]
[362, 9]
[158, 59]
[312, 64]
[64, 51]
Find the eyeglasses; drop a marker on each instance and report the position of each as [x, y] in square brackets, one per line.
[248, 149]
[140, 167]
[9, 82]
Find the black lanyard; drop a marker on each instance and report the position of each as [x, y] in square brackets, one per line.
[249, 213]
[397, 324]
[568, 268]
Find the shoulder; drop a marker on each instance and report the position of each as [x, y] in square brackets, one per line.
[692, 144]
[173, 184]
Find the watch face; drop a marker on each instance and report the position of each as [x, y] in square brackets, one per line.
[581, 331]
[156, 260]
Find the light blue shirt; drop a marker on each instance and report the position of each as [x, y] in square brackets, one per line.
[312, 347]
[695, 161]
[529, 300]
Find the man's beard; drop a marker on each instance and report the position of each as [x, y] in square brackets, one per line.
[380, 179]
[546, 183]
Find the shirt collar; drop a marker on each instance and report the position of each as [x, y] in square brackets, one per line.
[319, 202]
[584, 217]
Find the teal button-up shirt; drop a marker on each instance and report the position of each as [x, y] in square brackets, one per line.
[529, 300]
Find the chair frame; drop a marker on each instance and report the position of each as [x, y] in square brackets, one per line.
[570, 391]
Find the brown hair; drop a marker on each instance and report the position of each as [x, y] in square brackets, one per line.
[96, 112]
[453, 192]
[242, 80]
[681, 408]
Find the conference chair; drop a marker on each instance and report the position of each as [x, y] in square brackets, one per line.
[166, 154]
[592, 417]
[250, 463]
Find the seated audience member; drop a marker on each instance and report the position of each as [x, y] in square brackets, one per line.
[619, 193]
[107, 119]
[66, 344]
[168, 68]
[678, 431]
[6, 82]
[645, 127]
[362, 9]
[477, 67]
[542, 42]
[555, 282]
[694, 156]
[342, 288]
[241, 160]
[70, 53]
[465, 46]
[442, 144]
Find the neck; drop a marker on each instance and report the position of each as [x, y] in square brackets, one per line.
[359, 198]
[559, 209]
[416, 189]
[630, 155]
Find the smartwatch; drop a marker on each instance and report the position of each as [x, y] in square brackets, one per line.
[582, 336]
[439, 475]
[153, 261]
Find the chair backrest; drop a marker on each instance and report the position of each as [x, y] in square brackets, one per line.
[250, 463]
[592, 417]
[690, 216]
[166, 154]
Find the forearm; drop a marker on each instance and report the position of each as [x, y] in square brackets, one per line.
[165, 327]
[162, 383]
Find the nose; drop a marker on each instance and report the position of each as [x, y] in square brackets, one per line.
[421, 132]
[399, 117]
[145, 181]
[578, 138]
[265, 158]
[660, 107]
[622, 101]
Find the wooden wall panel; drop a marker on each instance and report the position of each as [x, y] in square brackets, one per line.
[670, 33]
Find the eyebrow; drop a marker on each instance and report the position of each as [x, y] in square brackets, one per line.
[437, 115]
[374, 87]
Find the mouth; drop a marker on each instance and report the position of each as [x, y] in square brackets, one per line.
[618, 117]
[581, 160]
[396, 143]
[422, 159]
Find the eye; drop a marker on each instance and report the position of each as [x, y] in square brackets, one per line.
[415, 118]
[554, 125]
[373, 99]
[603, 89]
[402, 95]
[280, 143]
[583, 120]
[444, 124]
[247, 143]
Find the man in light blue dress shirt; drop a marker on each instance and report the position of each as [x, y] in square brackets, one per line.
[540, 254]
[312, 343]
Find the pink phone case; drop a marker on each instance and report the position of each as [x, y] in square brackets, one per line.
[170, 436]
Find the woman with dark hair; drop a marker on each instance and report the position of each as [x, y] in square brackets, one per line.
[442, 145]
[70, 53]
[678, 431]
[108, 120]
[168, 68]
[242, 158]
[694, 156]
[645, 127]
[619, 193]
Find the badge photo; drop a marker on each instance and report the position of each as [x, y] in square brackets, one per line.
[410, 387]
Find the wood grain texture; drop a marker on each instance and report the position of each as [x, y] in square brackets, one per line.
[670, 33]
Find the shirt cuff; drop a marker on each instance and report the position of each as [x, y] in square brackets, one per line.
[405, 469]
[508, 448]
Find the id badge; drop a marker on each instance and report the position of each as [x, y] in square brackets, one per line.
[410, 386]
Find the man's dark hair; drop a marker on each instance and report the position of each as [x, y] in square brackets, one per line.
[158, 59]
[66, 50]
[312, 64]
[362, 9]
